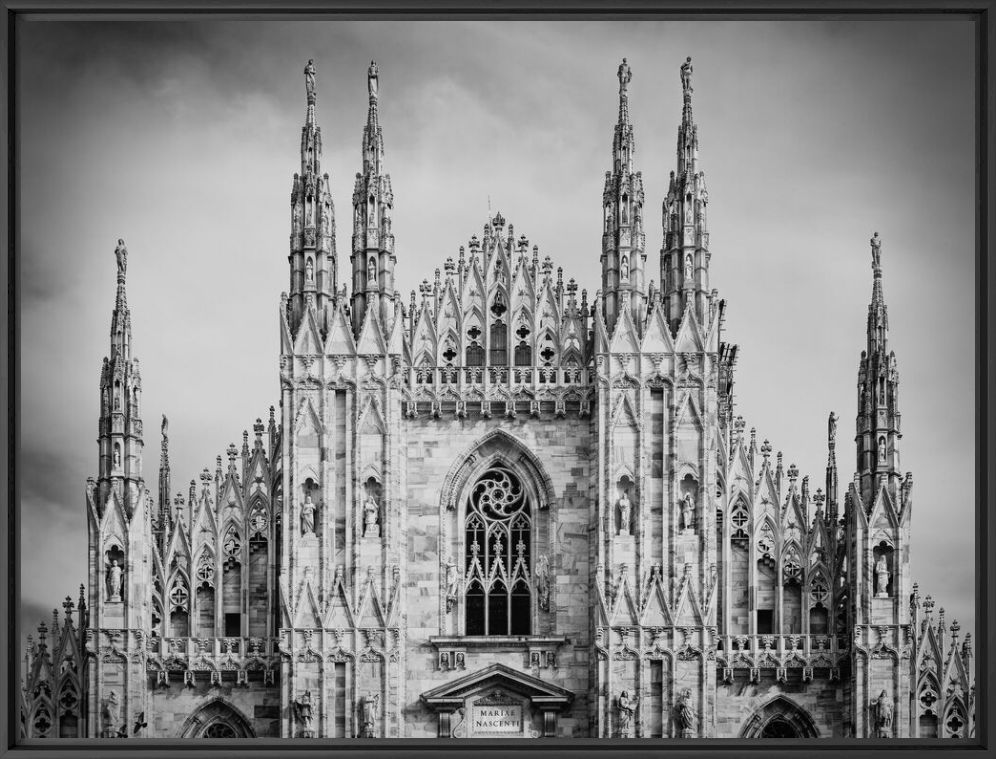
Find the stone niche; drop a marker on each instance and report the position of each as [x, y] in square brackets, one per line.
[497, 702]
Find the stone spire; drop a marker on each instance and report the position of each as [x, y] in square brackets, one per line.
[832, 502]
[878, 420]
[623, 257]
[164, 519]
[312, 239]
[373, 258]
[685, 254]
[120, 393]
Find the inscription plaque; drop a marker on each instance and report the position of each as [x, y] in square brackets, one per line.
[496, 714]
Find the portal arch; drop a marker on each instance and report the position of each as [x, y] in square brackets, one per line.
[780, 718]
[217, 719]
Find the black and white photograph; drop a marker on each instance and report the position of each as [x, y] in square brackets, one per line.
[497, 379]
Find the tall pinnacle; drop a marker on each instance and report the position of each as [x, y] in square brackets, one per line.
[878, 317]
[121, 317]
[623, 144]
[373, 139]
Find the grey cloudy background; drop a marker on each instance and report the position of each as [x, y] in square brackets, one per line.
[182, 139]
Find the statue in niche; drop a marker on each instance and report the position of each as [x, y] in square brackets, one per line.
[115, 581]
[309, 79]
[307, 516]
[371, 517]
[624, 269]
[326, 226]
[370, 707]
[543, 582]
[687, 513]
[882, 711]
[627, 709]
[684, 715]
[310, 271]
[372, 271]
[302, 712]
[452, 583]
[110, 713]
[686, 75]
[624, 506]
[121, 253]
[117, 448]
[688, 268]
[882, 576]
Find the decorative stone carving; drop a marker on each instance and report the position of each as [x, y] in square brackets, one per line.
[684, 715]
[687, 514]
[543, 582]
[121, 253]
[881, 710]
[686, 75]
[624, 507]
[452, 584]
[110, 714]
[115, 581]
[627, 709]
[882, 577]
[371, 517]
[309, 80]
[370, 707]
[303, 715]
[307, 516]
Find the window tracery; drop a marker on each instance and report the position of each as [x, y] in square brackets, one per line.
[497, 556]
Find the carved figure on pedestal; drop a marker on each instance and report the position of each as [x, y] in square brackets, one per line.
[624, 506]
[684, 715]
[452, 583]
[371, 518]
[372, 271]
[687, 513]
[110, 714]
[121, 252]
[309, 79]
[543, 582]
[302, 713]
[117, 448]
[627, 708]
[307, 516]
[832, 430]
[310, 269]
[882, 712]
[686, 75]
[370, 706]
[882, 577]
[688, 268]
[115, 581]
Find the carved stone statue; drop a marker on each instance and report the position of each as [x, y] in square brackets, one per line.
[110, 713]
[372, 271]
[372, 79]
[371, 518]
[627, 708]
[688, 268]
[684, 715]
[687, 513]
[452, 583]
[625, 506]
[115, 581]
[686, 75]
[624, 269]
[832, 429]
[303, 715]
[876, 245]
[882, 577]
[310, 271]
[371, 707]
[309, 80]
[543, 582]
[117, 450]
[882, 712]
[121, 252]
[307, 516]
[624, 75]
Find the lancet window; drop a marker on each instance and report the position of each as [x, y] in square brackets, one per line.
[497, 556]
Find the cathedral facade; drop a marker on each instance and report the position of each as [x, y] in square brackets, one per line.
[500, 510]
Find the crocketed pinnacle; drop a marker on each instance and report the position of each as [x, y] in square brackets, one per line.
[373, 139]
[623, 144]
[878, 316]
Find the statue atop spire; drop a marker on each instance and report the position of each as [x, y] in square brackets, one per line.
[686, 76]
[832, 430]
[625, 75]
[372, 80]
[309, 80]
[876, 246]
[121, 252]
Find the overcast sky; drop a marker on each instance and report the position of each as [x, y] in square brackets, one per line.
[182, 138]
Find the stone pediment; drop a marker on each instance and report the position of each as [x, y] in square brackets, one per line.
[497, 701]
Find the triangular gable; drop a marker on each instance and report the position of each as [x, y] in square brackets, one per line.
[371, 335]
[656, 613]
[497, 675]
[624, 414]
[371, 419]
[657, 338]
[624, 335]
[308, 614]
[688, 411]
[625, 612]
[883, 514]
[340, 339]
[689, 338]
[308, 342]
[339, 614]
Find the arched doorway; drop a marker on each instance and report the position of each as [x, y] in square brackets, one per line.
[217, 719]
[780, 718]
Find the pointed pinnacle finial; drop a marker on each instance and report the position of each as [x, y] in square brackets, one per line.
[309, 81]
[876, 246]
[686, 76]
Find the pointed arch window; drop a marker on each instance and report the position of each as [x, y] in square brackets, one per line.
[497, 556]
[498, 353]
